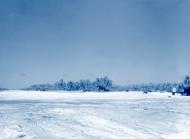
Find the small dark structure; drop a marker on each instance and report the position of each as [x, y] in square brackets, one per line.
[186, 91]
[145, 92]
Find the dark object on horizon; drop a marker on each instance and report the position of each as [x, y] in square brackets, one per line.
[186, 92]
[3, 89]
[184, 88]
[186, 85]
[145, 92]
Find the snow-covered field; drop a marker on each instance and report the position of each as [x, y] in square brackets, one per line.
[64, 115]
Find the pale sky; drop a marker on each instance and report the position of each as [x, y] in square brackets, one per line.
[130, 41]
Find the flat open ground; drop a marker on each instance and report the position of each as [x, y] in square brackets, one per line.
[58, 115]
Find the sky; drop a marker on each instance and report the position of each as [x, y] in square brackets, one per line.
[130, 41]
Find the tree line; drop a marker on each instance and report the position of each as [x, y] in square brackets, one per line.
[184, 87]
[103, 84]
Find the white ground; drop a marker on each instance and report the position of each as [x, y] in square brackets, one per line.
[64, 115]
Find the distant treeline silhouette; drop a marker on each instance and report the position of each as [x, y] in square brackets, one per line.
[3, 89]
[103, 84]
[100, 85]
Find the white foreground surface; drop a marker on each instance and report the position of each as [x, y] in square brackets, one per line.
[64, 115]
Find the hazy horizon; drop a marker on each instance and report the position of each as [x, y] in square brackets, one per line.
[130, 41]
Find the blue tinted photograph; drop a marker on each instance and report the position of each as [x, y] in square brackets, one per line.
[94, 69]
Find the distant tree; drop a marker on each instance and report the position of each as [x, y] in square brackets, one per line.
[72, 86]
[186, 86]
[186, 82]
[60, 85]
[103, 84]
[85, 85]
[180, 88]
